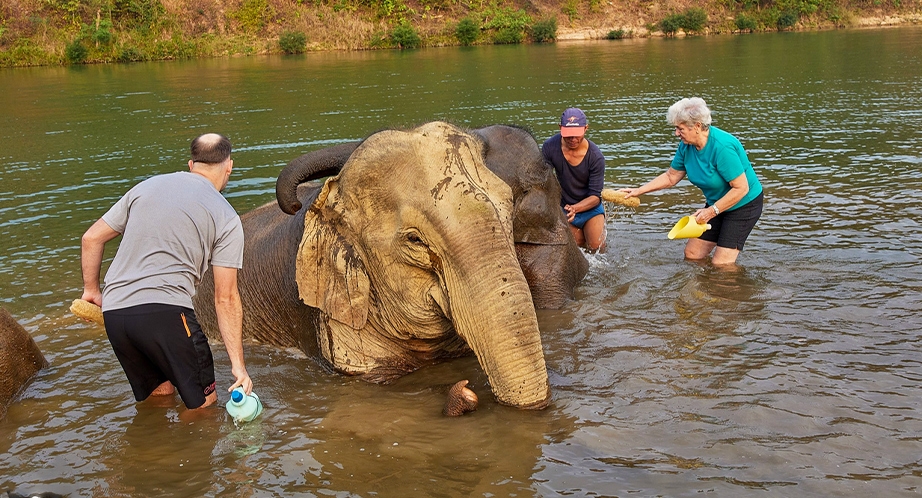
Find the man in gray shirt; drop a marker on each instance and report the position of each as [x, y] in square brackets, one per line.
[173, 227]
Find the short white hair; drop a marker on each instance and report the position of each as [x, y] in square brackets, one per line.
[688, 112]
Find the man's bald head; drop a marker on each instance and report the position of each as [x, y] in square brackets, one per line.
[211, 148]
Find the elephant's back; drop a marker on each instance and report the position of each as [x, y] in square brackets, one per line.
[272, 310]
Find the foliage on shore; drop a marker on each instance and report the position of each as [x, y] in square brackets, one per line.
[45, 32]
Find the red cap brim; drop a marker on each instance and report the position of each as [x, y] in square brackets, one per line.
[572, 131]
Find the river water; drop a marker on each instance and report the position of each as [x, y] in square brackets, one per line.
[798, 375]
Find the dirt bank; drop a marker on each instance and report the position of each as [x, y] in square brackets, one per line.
[45, 32]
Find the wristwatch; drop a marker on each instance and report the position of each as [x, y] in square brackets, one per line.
[716, 211]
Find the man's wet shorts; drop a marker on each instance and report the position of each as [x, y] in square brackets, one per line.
[581, 218]
[156, 343]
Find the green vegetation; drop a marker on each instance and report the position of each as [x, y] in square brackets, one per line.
[544, 31]
[508, 36]
[787, 19]
[253, 15]
[503, 24]
[506, 20]
[671, 24]
[467, 31]
[130, 54]
[42, 32]
[293, 42]
[75, 52]
[571, 9]
[405, 36]
[692, 20]
[744, 22]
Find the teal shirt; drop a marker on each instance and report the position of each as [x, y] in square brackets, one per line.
[722, 159]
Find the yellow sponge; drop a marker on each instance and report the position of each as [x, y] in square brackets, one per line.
[87, 311]
[613, 196]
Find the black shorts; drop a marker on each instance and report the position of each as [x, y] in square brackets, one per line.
[730, 229]
[156, 343]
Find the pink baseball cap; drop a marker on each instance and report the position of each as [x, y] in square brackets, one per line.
[573, 123]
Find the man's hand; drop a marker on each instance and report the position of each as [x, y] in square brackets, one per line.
[92, 296]
[242, 379]
[571, 213]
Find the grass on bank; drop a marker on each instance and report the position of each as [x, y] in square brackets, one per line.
[44, 32]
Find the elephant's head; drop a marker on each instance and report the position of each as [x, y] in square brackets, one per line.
[550, 259]
[408, 254]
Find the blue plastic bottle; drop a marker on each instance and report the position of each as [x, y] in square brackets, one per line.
[244, 408]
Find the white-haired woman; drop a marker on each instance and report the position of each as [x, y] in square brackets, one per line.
[715, 162]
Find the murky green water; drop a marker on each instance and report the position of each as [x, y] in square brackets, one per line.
[798, 376]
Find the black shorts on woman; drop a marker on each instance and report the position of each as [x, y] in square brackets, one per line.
[730, 229]
[156, 343]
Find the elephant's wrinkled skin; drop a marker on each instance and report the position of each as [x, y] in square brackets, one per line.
[20, 359]
[404, 258]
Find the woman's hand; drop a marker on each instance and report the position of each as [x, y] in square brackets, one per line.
[704, 215]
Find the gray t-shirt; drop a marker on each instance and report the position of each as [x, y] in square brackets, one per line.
[173, 228]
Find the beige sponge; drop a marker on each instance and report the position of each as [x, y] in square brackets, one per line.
[87, 311]
[613, 196]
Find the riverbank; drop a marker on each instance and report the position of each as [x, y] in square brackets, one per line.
[54, 32]
[882, 21]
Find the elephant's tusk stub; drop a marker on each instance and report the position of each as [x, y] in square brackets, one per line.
[460, 400]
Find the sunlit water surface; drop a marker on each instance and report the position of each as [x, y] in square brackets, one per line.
[798, 375]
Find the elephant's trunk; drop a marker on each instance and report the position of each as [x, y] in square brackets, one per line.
[310, 166]
[499, 324]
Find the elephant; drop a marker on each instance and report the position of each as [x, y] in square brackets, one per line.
[20, 359]
[406, 256]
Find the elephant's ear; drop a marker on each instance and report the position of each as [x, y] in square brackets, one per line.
[330, 274]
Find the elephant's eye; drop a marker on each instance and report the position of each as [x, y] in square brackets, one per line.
[412, 237]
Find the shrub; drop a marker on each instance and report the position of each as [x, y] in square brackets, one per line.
[508, 36]
[694, 20]
[467, 30]
[99, 32]
[544, 31]
[293, 42]
[745, 23]
[671, 24]
[616, 34]
[130, 54]
[405, 36]
[76, 52]
[787, 19]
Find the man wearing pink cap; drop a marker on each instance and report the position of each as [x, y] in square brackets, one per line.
[580, 168]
